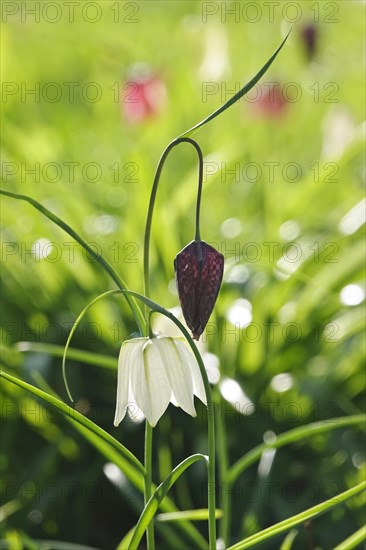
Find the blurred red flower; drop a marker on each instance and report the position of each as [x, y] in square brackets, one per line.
[143, 94]
[271, 100]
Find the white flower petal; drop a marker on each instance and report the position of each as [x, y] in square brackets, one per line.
[126, 357]
[154, 371]
[149, 383]
[178, 372]
[189, 359]
[174, 401]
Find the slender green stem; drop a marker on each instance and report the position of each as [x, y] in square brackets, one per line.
[223, 465]
[153, 198]
[148, 429]
[197, 236]
[210, 416]
[150, 537]
[148, 482]
[211, 484]
[157, 497]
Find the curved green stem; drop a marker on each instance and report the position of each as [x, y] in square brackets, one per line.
[75, 325]
[211, 485]
[153, 197]
[210, 413]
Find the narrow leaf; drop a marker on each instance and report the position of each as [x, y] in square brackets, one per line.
[112, 453]
[79, 355]
[291, 436]
[158, 495]
[289, 539]
[77, 417]
[192, 515]
[9, 508]
[244, 90]
[60, 545]
[308, 514]
[109, 452]
[102, 261]
[353, 541]
[126, 540]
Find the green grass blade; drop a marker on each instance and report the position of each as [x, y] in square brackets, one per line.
[201, 514]
[352, 541]
[9, 508]
[76, 324]
[109, 452]
[124, 543]
[158, 495]
[112, 454]
[61, 545]
[244, 90]
[80, 355]
[289, 539]
[77, 417]
[102, 261]
[308, 514]
[291, 436]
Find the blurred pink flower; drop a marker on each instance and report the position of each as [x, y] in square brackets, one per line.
[142, 95]
[271, 101]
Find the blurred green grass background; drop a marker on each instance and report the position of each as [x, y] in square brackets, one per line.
[291, 182]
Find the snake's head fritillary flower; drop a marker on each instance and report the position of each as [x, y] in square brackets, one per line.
[143, 95]
[153, 372]
[199, 269]
[309, 35]
[272, 101]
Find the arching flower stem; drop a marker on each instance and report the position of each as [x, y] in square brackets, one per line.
[154, 307]
[154, 190]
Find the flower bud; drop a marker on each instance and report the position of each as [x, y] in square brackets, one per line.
[199, 269]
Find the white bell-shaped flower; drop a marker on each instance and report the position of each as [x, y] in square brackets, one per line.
[152, 372]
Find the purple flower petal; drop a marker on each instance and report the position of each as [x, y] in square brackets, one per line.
[199, 269]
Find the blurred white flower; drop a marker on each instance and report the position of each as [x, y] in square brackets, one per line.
[152, 372]
[215, 64]
[338, 131]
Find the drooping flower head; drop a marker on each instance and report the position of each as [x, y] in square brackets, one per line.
[199, 269]
[153, 372]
